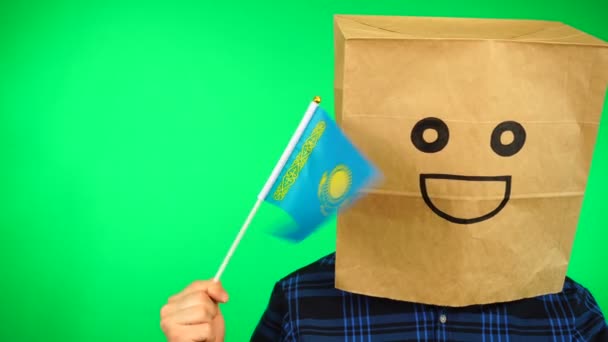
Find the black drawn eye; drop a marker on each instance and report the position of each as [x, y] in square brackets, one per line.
[430, 135]
[508, 138]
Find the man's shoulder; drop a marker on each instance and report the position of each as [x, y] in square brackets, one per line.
[300, 293]
[320, 273]
[574, 288]
[572, 295]
[322, 268]
[571, 291]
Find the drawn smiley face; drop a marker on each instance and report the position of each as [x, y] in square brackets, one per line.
[421, 140]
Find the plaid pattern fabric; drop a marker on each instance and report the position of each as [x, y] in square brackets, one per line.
[305, 306]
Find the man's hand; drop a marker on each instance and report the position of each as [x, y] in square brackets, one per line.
[193, 315]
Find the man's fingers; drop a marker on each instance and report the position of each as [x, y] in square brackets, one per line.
[217, 293]
[215, 290]
[192, 333]
[192, 315]
[199, 285]
[193, 299]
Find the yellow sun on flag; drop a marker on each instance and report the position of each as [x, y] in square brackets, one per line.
[334, 187]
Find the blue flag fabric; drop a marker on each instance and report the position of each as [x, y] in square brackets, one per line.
[323, 173]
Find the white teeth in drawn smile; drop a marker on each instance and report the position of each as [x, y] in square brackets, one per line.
[506, 180]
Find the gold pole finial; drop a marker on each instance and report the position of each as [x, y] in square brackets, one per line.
[317, 99]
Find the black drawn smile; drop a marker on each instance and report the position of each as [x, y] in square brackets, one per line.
[429, 202]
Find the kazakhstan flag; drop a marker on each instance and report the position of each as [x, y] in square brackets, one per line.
[323, 173]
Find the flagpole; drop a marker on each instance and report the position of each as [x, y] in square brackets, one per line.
[237, 240]
[269, 183]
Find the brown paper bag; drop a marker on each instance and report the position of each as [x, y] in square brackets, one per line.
[484, 130]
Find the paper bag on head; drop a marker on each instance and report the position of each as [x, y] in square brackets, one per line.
[484, 131]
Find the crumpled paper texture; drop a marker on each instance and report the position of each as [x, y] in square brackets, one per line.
[484, 131]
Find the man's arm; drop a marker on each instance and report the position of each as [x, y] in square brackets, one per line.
[275, 324]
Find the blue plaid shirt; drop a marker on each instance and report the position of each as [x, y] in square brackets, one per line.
[305, 306]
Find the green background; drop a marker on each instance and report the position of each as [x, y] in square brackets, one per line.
[134, 137]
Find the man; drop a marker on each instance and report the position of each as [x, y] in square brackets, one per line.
[305, 306]
[484, 132]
